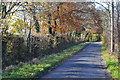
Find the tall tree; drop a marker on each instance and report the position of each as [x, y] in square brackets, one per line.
[112, 27]
[118, 28]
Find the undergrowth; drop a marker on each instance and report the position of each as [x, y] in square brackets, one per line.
[39, 66]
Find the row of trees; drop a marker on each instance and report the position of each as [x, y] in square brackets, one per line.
[110, 17]
[59, 18]
[41, 26]
[111, 26]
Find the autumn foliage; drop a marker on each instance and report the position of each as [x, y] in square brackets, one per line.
[46, 28]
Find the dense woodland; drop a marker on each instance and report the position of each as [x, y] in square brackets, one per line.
[36, 29]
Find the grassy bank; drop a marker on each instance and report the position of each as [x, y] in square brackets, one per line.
[39, 66]
[111, 63]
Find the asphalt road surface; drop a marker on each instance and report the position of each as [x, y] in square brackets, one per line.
[87, 63]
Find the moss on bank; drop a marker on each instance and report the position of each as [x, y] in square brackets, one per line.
[111, 63]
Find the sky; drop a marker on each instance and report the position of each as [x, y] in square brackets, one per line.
[98, 6]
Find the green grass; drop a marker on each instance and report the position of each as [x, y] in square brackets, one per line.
[42, 65]
[111, 63]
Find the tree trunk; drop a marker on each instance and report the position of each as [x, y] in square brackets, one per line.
[37, 25]
[112, 28]
[118, 29]
[29, 39]
[118, 25]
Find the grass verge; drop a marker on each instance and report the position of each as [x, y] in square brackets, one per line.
[111, 63]
[42, 65]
